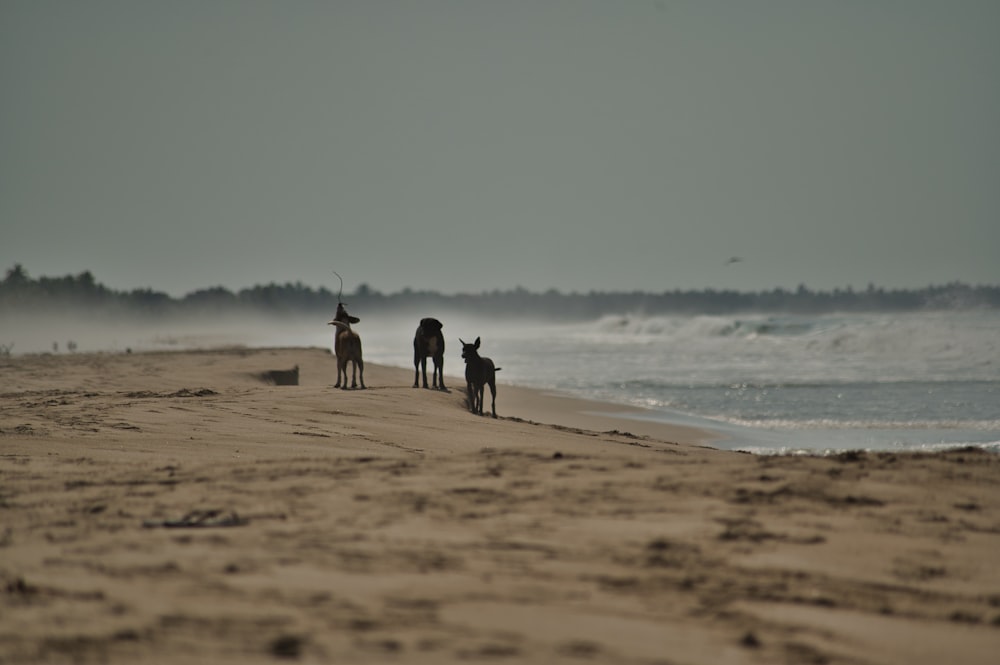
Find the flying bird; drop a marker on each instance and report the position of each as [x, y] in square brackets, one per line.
[733, 259]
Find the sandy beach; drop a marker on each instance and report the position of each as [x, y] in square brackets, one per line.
[179, 507]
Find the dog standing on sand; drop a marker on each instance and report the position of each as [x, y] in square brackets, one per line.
[479, 372]
[347, 347]
[429, 341]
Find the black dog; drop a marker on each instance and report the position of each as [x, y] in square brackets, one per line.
[429, 341]
[479, 372]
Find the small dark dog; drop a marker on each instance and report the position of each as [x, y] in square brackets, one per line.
[479, 372]
[429, 341]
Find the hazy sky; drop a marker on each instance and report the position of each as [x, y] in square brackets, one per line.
[469, 145]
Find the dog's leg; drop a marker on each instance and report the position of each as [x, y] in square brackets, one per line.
[361, 372]
[439, 372]
[493, 393]
[340, 349]
[419, 361]
[439, 362]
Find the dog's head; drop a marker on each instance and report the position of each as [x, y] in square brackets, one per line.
[430, 327]
[469, 350]
[342, 315]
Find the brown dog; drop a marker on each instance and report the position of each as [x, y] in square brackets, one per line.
[347, 346]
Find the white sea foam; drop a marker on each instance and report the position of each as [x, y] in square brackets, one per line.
[993, 447]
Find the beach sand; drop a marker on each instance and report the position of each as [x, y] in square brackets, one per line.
[176, 507]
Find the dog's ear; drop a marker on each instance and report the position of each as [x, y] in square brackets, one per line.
[460, 341]
[477, 342]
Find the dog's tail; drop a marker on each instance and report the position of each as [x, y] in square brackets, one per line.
[497, 369]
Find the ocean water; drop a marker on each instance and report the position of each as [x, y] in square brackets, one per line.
[763, 383]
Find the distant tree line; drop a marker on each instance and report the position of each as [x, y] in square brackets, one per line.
[21, 293]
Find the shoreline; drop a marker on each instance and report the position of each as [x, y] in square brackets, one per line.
[175, 507]
[514, 402]
[547, 406]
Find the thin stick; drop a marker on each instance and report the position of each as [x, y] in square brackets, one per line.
[341, 293]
